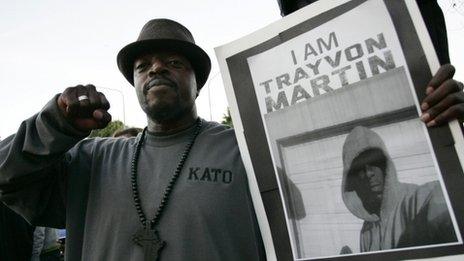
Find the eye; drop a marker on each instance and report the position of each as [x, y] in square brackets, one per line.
[141, 66]
[176, 63]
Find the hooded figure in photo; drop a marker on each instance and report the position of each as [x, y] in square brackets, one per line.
[395, 214]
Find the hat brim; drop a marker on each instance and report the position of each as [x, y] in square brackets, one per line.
[198, 58]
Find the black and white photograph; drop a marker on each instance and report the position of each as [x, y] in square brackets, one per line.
[330, 121]
[364, 185]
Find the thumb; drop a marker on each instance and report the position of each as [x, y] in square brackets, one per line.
[100, 119]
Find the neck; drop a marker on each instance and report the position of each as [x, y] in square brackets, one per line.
[171, 126]
[373, 206]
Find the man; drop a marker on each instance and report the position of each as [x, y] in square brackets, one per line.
[435, 107]
[395, 214]
[176, 192]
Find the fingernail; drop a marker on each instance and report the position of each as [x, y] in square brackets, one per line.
[429, 90]
[424, 106]
[98, 115]
[431, 123]
[425, 117]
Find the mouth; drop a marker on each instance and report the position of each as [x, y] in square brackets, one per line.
[158, 82]
[374, 186]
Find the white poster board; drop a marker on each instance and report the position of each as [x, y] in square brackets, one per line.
[301, 90]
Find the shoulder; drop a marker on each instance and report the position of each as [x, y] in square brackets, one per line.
[99, 147]
[425, 190]
[215, 127]
[104, 143]
[218, 139]
[431, 191]
[218, 132]
[422, 195]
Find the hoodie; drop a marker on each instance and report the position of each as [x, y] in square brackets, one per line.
[410, 215]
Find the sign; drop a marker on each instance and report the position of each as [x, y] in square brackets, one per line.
[325, 103]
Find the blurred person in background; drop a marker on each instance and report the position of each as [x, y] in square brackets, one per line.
[45, 246]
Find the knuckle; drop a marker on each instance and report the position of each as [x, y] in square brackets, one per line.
[459, 96]
[63, 98]
[456, 98]
[459, 109]
[435, 110]
[68, 90]
[454, 110]
[91, 87]
[432, 112]
[460, 85]
[427, 99]
[81, 89]
[103, 99]
[453, 85]
[94, 100]
[449, 68]
[440, 119]
[433, 98]
[452, 99]
[451, 113]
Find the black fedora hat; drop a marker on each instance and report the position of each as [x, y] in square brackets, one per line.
[165, 34]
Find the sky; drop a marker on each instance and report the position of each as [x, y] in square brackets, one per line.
[49, 45]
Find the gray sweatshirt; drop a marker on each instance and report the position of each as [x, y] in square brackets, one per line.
[52, 178]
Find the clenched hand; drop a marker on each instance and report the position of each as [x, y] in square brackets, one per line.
[85, 114]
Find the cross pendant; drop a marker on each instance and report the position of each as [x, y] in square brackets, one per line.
[149, 240]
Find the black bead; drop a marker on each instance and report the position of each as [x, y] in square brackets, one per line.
[169, 187]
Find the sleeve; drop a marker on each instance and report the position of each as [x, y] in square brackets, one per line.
[33, 168]
[428, 218]
[439, 223]
[435, 23]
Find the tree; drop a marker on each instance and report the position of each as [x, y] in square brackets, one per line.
[226, 119]
[108, 130]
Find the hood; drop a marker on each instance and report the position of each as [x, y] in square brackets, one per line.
[359, 140]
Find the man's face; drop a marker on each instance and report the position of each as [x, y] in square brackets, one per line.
[165, 85]
[371, 181]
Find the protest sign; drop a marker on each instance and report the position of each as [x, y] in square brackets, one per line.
[325, 104]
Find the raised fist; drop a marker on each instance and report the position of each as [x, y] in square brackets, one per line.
[84, 107]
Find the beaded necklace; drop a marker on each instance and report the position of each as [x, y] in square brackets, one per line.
[147, 236]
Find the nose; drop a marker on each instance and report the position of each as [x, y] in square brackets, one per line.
[369, 171]
[157, 67]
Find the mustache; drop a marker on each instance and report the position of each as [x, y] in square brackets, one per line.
[159, 80]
